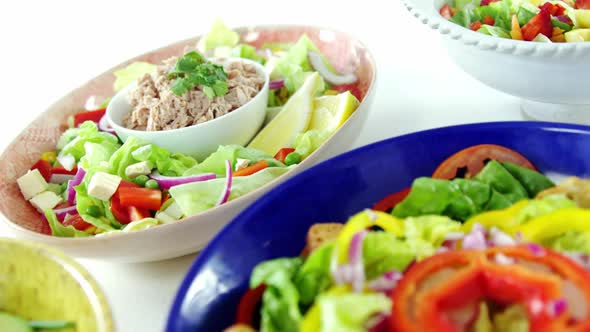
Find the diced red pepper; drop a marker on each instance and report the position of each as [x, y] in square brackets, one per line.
[44, 168]
[489, 20]
[93, 116]
[487, 2]
[136, 213]
[391, 201]
[553, 9]
[127, 184]
[582, 4]
[446, 11]
[475, 25]
[248, 305]
[77, 222]
[120, 212]
[252, 169]
[539, 24]
[59, 169]
[145, 198]
[283, 153]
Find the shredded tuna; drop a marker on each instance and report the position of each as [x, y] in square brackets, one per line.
[155, 107]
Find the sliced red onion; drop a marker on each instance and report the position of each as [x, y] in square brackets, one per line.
[60, 178]
[167, 182]
[536, 249]
[317, 62]
[103, 125]
[355, 256]
[74, 182]
[386, 282]
[564, 19]
[556, 307]
[61, 213]
[499, 238]
[227, 189]
[68, 161]
[454, 236]
[476, 239]
[503, 259]
[275, 85]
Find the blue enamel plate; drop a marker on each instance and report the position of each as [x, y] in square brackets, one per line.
[276, 224]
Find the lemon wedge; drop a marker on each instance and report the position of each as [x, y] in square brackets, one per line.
[292, 120]
[330, 112]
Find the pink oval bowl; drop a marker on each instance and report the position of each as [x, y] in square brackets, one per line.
[190, 234]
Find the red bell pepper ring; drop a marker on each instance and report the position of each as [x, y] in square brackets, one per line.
[44, 167]
[539, 24]
[446, 11]
[283, 153]
[435, 287]
[84, 116]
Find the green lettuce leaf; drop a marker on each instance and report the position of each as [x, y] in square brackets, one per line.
[539, 207]
[427, 233]
[280, 301]
[306, 143]
[502, 181]
[570, 242]
[218, 36]
[532, 181]
[215, 163]
[167, 163]
[247, 52]
[350, 311]
[494, 31]
[58, 229]
[314, 276]
[197, 197]
[383, 252]
[73, 140]
[129, 74]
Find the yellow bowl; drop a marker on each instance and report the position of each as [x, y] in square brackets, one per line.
[40, 283]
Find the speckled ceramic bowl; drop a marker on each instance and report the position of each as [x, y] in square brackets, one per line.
[191, 234]
[41, 283]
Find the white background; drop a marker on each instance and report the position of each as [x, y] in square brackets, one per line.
[50, 47]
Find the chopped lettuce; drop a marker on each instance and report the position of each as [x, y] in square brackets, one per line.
[58, 229]
[220, 35]
[142, 224]
[384, 252]
[512, 319]
[314, 275]
[280, 301]
[307, 142]
[426, 234]
[215, 163]
[570, 242]
[247, 52]
[167, 163]
[494, 31]
[539, 207]
[73, 140]
[350, 311]
[129, 74]
[197, 197]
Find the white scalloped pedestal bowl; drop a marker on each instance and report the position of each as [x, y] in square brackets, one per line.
[551, 78]
[190, 234]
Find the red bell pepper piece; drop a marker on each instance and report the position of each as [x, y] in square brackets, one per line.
[248, 305]
[391, 201]
[44, 168]
[77, 222]
[59, 169]
[489, 20]
[487, 2]
[283, 153]
[554, 10]
[582, 4]
[435, 287]
[539, 24]
[252, 169]
[145, 198]
[136, 213]
[93, 116]
[446, 11]
[120, 212]
[475, 25]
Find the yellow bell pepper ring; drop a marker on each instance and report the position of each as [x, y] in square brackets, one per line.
[554, 224]
[502, 219]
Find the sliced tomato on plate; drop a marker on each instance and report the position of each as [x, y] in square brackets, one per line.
[468, 162]
[391, 201]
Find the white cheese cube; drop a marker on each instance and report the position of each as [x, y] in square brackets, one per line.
[241, 164]
[140, 168]
[164, 218]
[103, 185]
[45, 200]
[32, 184]
[174, 211]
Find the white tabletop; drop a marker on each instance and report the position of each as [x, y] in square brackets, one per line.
[51, 47]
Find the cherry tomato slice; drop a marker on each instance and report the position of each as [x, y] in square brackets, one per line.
[471, 160]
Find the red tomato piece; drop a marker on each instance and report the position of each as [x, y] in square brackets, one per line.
[144, 198]
[539, 24]
[475, 25]
[489, 20]
[93, 116]
[44, 168]
[120, 212]
[283, 153]
[77, 222]
[473, 159]
[136, 213]
[446, 11]
[391, 201]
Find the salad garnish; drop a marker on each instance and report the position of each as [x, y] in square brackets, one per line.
[192, 70]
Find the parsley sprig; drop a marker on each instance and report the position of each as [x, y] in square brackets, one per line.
[192, 70]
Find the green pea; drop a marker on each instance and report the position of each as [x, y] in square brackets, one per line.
[94, 211]
[141, 180]
[292, 159]
[152, 184]
[169, 173]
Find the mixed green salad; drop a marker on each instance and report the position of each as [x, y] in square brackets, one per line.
[13, 323]
[94, 183]
[531, 20]
[480, 246]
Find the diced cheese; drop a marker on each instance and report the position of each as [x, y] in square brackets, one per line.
[164, 218]
[31, 184]
[241, 164]
[174, 211]
[45, 200]
[103, 185]
[140, 168]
